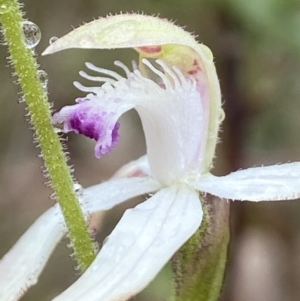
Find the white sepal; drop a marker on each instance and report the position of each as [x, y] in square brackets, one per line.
[141, 244]
[268, 183]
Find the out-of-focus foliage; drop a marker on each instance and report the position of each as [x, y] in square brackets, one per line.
[257, 54]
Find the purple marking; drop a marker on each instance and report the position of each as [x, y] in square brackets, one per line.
[94, 122]
[86, 123]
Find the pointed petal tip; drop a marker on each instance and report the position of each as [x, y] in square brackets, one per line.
[54, 47]
[47, 51]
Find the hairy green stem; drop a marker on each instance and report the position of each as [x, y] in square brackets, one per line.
[40, 115]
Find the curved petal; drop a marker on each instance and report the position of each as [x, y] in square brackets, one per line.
[138, 248]
[22, 265]
[268, 183]
[108, 194]
[157, 38]
[136, 168]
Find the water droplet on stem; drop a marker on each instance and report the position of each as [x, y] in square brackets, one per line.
[32, 34]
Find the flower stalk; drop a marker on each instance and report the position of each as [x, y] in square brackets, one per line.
[39, 109]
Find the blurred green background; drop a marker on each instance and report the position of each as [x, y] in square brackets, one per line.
[257, 53]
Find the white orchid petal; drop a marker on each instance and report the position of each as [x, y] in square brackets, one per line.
[108, 194]
[268, 183]
[141, 244]
[139, 167]
[22, 265]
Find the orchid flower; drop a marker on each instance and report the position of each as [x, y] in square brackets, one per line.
[176, 92]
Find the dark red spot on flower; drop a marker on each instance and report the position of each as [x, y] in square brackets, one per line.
[196, 68]
[150, 49]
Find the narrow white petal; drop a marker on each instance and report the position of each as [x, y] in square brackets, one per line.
[141, 244]
[139, 167]
[269, 183]
[108, 194]
[22, 265]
